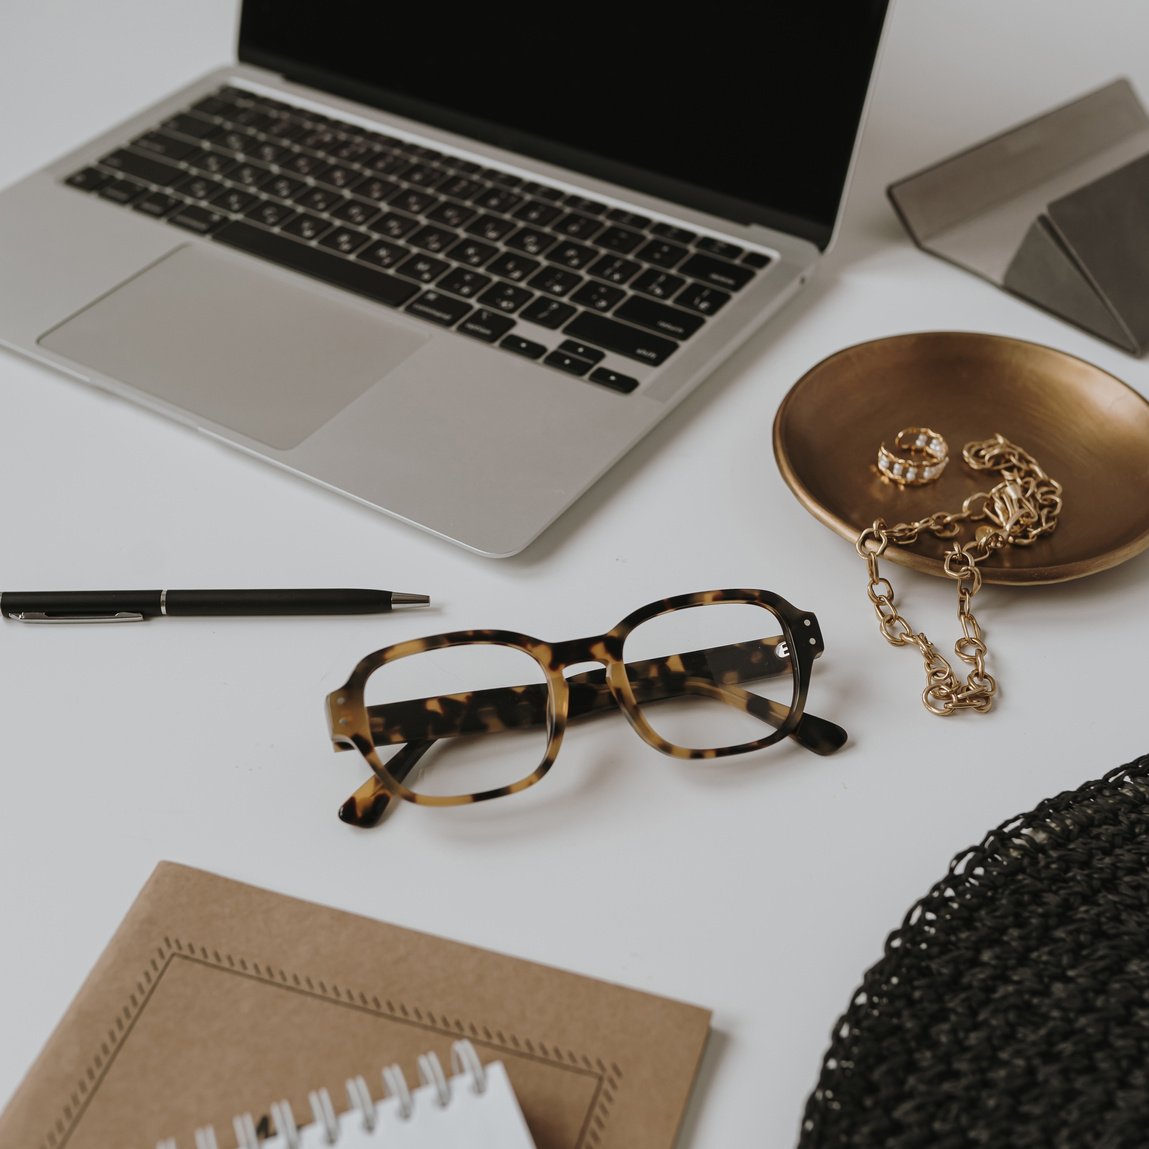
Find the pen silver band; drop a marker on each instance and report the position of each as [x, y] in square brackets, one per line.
[163, 602]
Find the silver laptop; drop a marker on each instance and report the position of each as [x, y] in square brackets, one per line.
[452, 264]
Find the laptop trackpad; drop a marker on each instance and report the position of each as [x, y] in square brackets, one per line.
[227, 340]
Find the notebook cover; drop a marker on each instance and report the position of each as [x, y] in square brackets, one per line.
[215, 998]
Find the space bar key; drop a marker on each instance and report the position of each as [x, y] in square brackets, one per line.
[357, 277]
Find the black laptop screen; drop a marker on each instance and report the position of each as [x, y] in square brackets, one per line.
[749, 112]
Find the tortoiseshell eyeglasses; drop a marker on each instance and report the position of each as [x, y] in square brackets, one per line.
[478, 714]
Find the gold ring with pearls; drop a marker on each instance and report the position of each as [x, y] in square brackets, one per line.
[919, 457]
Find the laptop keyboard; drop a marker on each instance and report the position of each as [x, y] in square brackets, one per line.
[538, 272]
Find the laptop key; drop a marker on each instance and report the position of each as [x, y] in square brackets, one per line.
[571, 364]
[270, 214]
[705, 300]
[356, 212]
[658, 317]
[672, 232]
[143, 168]
[661, 253]
[211, 163]
[433, 239]
[337, 176]
[618, 239]
[320, 199]
[719, 247]
[200, 187]
[537, 212]
[620, 338]
[282, 187]
[531, 240]
[472, 252]
[513, 266]
[249, 174]
[268, 152]
[345, 240]
[486, 325]
[555, 281]
[302, 163]
[451, 213]
[383, 254]
[197, 219]
[190, 125]
[525, 347]
[577, 226]
[161, 144]
[613, 379]
[615, 269]
[414, 201]
[232, 140]
[442, 309]
[87, 179]
[598, 296]
[588, 206]
[334, 269]
[659, 284]
[375, 188]
[394, 225]
[490, 227]
[422, 175]
[717, 272]
[120, 191]
[156, 204]
[307, 227]
[506, 297]
[424, 268]
[572, 255]
[582, 350]
[628, 218]
[498, 199]
[464, 281]
[234, 200]
[548, 313]
[461, 187]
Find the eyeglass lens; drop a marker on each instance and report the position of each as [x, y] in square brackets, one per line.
[699, 674]
[485, 706]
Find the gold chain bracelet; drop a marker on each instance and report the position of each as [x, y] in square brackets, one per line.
[1021, 508]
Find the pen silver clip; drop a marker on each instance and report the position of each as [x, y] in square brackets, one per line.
[41, 616]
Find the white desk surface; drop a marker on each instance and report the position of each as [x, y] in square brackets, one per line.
[761, 888]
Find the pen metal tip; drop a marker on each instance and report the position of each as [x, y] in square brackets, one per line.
[398, 599]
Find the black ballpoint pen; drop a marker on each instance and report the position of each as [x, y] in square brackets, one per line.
[137, 605]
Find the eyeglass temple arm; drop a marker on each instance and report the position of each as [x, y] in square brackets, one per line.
[368, 805]
[816, 734]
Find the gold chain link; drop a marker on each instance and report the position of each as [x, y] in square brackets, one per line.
[1023, 507]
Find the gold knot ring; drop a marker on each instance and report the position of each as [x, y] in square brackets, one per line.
[919, 457]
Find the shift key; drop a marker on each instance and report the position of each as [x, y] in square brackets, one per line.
[620, 338]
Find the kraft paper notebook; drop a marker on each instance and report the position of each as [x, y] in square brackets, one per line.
[215, 998]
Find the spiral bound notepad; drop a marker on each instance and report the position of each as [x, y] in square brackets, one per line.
[475, 1108]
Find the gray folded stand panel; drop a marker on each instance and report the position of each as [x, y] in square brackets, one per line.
[1055, 210]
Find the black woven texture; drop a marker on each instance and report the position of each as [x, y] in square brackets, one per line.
[1011, 1007]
